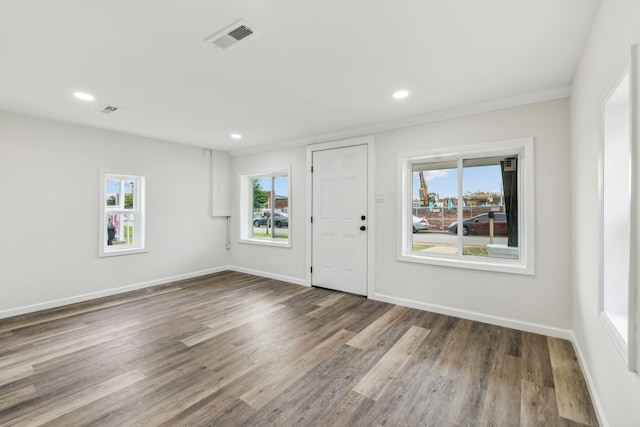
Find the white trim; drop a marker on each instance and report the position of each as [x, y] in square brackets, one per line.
[626, 346]
[123, 251]
[495, 320]
[420, 119]
[535, 328]
[465, 314]
[470, 315]
[105, 293]
[139, 243]
[259, 273]
[245, 207]
[265, 242]
[635, 212]
[524, 148]
[618, 340]
[369, 141]
[591, 385]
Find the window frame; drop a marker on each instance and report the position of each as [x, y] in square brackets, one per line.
[245, 216]
[523, 148]
[138, 211]
[621, 329]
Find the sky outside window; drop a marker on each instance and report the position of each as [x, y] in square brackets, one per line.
[444, 182]
[281, 184]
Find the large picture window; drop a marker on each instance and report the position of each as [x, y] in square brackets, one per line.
[469, 207]
[265, 208]
[122, 208]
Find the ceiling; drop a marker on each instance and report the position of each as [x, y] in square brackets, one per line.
[313, 68]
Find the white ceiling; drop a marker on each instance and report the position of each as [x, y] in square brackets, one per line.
[314, 68]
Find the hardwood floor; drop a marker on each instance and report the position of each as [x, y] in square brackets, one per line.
[232, 349]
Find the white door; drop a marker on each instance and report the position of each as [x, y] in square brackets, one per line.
[339, 251]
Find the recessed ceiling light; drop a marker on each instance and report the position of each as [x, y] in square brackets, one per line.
[401, 94]
[236, 136]
[84, 96]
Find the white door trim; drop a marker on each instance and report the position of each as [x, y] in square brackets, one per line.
[369, 141]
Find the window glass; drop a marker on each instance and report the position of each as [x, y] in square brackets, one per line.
[269, 219]
[485, 221]
[434, 207]
[471, 208]
[123, 215]
[128, 194]
[113, 192]
[120, 229]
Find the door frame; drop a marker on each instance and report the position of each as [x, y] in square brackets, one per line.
[371, 188]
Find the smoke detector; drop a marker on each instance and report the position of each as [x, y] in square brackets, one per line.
[231, 35]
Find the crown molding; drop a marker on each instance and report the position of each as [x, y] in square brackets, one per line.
[435, 116]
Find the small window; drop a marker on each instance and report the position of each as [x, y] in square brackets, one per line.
[265, 208]
[122, 215]
[467, 208]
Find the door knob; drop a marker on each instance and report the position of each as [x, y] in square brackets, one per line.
[363, 217]
[363, 228]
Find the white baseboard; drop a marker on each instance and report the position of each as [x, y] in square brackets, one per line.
[597, 404]
[289, 279]
[470, 315]
[479, 317]
[514, 324]
[105, 293]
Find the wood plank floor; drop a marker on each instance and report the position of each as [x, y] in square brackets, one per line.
[231, 349]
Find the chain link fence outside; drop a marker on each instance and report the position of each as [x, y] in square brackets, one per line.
[441, 218]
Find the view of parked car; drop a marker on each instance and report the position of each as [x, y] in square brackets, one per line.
[479, 224]
[420, 223]
[279, 220]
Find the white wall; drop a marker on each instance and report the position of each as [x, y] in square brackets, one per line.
[544, 299]
[49, 212]
[541, 300]
[280, 262]
[616, 28]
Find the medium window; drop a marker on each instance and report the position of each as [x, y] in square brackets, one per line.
[122, 208]
[265, 208]
[467, 208]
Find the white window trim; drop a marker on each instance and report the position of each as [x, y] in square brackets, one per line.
[139, 211]
[245, 208]
[526, 262]
[625, 345]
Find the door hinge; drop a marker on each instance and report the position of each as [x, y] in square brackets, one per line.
[311, 220]
[311, 169]
[311, 269]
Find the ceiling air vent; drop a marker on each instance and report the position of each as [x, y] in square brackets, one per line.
[232, 35]
[108, 109]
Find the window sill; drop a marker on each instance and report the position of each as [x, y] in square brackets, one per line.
[118, 252]
[616, 326]
[498, 265]
[261, 242]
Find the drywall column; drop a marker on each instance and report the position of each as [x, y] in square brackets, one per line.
[220, 184]
[221, 188]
